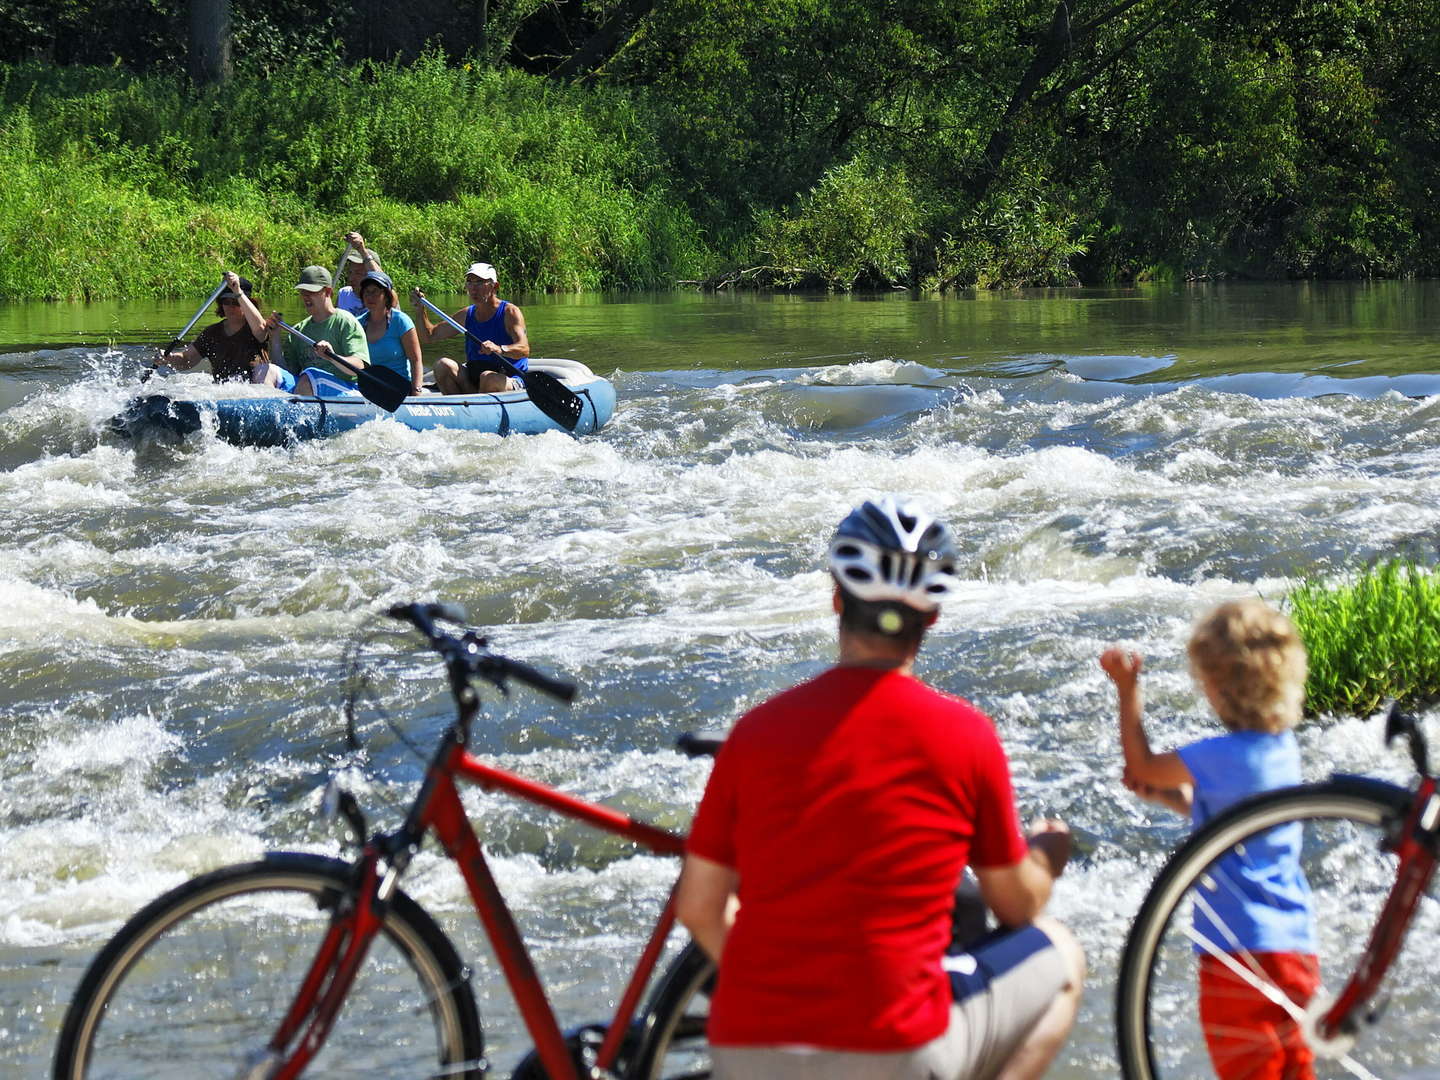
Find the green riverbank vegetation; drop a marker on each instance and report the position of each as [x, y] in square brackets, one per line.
[1370, 637]
[635, 144]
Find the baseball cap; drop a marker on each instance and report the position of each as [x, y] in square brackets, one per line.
[484, 271]
[380, 278]
[360, 257]
[314, 278]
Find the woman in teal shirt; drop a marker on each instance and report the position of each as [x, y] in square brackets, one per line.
[389, 332]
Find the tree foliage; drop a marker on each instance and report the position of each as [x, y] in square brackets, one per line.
[927, 143]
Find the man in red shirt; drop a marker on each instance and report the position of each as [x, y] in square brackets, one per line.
[841, 814]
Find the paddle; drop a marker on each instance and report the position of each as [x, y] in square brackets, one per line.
[340, 266]
[179, 339]
[550, 395]
[379, 385]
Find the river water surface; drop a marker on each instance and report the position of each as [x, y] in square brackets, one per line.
[172, 617]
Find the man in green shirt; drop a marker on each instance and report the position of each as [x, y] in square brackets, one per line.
[335, 333]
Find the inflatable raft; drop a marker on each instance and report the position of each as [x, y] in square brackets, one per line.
[269, 418]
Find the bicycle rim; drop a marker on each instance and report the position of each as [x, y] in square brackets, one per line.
[196, 984]
[1258, 1003]
[672, 1042]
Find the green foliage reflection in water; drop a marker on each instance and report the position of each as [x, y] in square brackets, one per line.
[1370, 637]
[141, 189]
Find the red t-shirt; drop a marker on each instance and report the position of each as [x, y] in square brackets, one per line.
[849, 806]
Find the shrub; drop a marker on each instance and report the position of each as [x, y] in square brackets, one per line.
[1370, 637]
[855, 226]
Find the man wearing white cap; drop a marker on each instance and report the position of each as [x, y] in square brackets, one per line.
[497, 329]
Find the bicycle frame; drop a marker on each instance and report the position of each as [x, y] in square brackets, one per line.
[1416, 845]
[438, 808]
[1416, 848]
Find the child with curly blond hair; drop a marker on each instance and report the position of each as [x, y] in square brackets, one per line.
[1256, 912]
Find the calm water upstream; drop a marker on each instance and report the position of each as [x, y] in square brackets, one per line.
[172, 618]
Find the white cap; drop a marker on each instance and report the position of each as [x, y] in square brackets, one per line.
[484, 271]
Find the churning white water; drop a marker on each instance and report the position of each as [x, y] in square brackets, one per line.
[172, 616]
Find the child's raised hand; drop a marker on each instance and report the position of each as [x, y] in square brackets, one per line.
[1122, 666]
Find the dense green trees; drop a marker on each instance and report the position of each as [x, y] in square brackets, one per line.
[835, 143]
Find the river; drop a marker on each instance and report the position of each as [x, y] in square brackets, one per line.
[1114, 461]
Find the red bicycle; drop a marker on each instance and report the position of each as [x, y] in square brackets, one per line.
[302, 964]
[1367, 852]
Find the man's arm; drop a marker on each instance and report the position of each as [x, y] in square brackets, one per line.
[1020, 892]
[515, 326]
[705, 902]
[428, 331]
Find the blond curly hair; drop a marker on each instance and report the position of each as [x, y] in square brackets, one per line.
[1251, 662]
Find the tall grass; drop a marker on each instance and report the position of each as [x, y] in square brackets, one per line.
[1370, 637]
[119, 185]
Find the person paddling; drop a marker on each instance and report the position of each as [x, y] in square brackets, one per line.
[359, 260]
[498, 327]
[389, 332]
[235, 346]
[336, 333]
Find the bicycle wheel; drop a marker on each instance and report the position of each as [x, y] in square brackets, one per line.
[1341, 828]
[671, 1044]
[195, 984]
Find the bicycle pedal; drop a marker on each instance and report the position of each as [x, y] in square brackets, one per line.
[584, 1044]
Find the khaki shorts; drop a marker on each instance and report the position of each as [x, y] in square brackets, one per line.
[1002, 986]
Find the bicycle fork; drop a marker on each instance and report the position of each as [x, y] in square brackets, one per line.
[356, 920]
[1416, 848]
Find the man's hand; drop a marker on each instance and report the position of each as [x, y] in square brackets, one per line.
[232, 282]
[355, 240]
[1051, 838]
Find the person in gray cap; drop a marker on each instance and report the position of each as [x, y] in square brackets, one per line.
[336, 333]
[359, 261]
[235, 346]
[497, 329]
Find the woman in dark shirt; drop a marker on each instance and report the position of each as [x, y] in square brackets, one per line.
[235, 344]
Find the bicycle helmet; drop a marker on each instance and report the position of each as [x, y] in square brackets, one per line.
[886, 549]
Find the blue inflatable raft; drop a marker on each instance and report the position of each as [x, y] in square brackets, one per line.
[269, 418]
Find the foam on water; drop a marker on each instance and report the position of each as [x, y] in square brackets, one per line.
[172, 617]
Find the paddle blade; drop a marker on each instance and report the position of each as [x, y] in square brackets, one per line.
[554, 398]
[383, 387]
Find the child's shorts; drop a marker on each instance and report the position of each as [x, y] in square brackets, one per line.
[1002, 987]
[1247, 1033]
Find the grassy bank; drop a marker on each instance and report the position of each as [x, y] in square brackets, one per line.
[119, 186]
[1370, 637]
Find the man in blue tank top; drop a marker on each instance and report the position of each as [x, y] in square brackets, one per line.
[496, 329]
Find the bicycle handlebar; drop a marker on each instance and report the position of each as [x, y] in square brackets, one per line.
[470, 654]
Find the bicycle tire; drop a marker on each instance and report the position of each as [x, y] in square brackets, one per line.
[1344, 828]
[670, 1042]
[195, 983]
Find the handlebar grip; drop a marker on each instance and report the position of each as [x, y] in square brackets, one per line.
[563, 689]
[419, 614]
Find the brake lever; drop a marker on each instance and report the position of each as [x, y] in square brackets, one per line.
[1398, 723]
